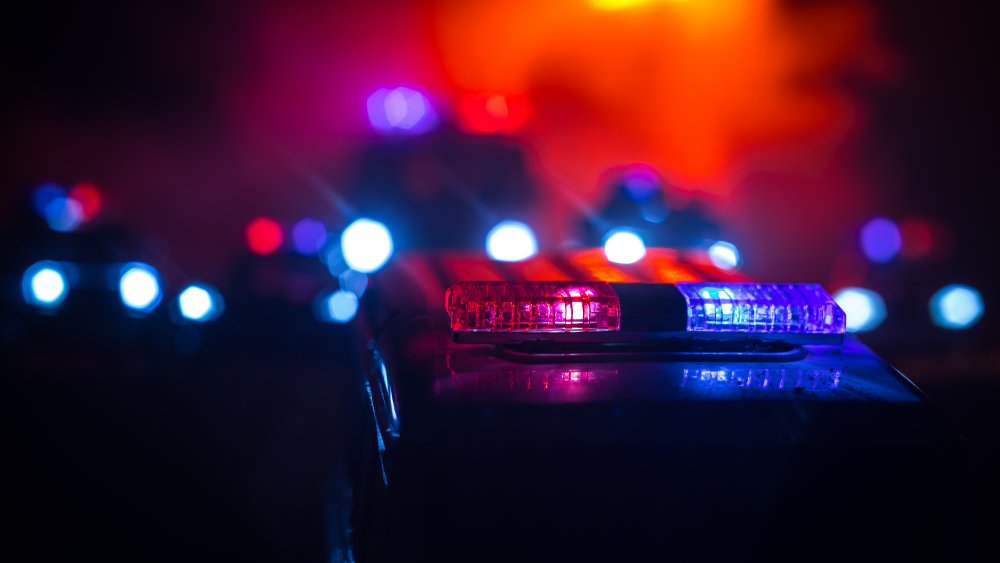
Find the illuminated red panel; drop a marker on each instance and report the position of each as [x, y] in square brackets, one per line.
[264, 236]
[532, 307]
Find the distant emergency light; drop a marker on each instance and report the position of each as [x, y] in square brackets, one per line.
[554, 308]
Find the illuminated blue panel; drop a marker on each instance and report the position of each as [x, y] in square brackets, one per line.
[761, 308]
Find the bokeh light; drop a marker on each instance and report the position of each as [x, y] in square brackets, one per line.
[366, 245]
[641, 182]
[624, 247]
[724, 255]
[956, 306]
[355, 282]
[400, 110]
[309, 236]
[44, 195]
[864, 308]
[880, 240]
[511, 241]
[90, 199]
[199, 303]
[493, 113]
[64, 214]
[341, 306]
[45, 284]
[264, 236]
[139, 287]
[918, 238]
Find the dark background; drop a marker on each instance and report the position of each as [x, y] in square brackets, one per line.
[121, 447]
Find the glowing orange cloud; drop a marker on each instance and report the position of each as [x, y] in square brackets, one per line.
[707, 91]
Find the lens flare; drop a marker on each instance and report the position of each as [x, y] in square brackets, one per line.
[340, 307]
[956, 307]
[624, 247]
[880, 240]
[199, 303]
[401, 110]
[45, 285]
[139, 287]
[864, 308]
[511, 241]
[46, 194]
[64, 214]
[366, 245]
[309, 236]
[264, 236]
[724, 255]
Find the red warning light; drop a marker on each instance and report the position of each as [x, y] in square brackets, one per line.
[88, 197]
[264, 236]
[493, 113]
[918, 238]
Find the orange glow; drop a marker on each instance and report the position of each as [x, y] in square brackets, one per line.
[706, 91]
[538, 269]
[595, 264]
[665, 268]
[617, 4]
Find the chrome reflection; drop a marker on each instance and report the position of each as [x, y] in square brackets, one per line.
[762, 379]
[537, 380]
[385, 404]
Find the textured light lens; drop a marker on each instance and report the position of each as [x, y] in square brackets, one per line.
[532, 307]
[761, 308]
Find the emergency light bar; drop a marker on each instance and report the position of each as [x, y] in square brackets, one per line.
[549, 309]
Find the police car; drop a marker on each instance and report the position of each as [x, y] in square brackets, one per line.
[572, 408]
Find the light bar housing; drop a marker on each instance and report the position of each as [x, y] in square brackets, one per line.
[501, 312]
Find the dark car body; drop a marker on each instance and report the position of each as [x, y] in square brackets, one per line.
[803, 451]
